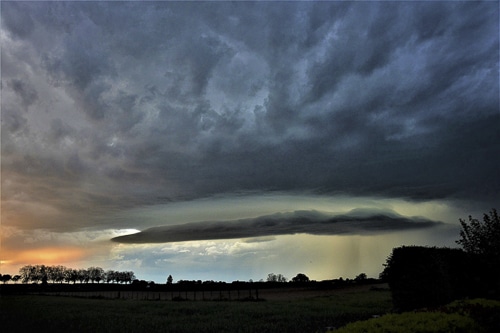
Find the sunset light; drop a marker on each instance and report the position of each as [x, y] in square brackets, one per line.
[50, 256]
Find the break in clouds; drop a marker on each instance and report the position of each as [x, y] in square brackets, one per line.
[310, 222]
[114, 105]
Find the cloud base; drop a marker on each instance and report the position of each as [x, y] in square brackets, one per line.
[298, 222]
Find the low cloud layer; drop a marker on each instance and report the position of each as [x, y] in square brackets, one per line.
[298, 222]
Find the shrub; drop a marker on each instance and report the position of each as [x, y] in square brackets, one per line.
[423, 276]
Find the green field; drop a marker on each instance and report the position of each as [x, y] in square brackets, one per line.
[25, 313]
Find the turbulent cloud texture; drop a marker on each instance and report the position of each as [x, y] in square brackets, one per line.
[110, 105]
[309, 222]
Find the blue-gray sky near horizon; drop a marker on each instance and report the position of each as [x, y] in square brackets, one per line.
[122, 116]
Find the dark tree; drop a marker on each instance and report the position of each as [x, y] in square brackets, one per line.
[83, 275]
[25, 273]
[170, 279]
[361, 277]
[300, 278]
[481, 238]
[271, 277]
[5, 278]
[95, 274]
[71, 275]
[109, 276]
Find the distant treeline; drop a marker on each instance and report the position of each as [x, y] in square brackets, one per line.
[182, 289]
[41, 278]
[58, 274]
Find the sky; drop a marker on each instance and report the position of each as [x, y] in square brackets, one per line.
[229, 140]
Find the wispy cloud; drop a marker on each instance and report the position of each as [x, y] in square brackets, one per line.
[298, 222]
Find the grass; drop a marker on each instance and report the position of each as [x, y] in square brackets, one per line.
[63, 314]
[478, 316]
[413, 322]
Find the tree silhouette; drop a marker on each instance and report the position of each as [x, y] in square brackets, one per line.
[71, 275]
[58, 274]
[5, 278]
[481, 238]
[271, 277]
[300, 278]
[360, 277]
[95, 274]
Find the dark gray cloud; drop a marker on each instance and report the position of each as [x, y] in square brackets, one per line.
[26, 93]
[19, 21]
[308, 222]
[125, 104]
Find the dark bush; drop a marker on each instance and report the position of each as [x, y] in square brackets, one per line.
[424, 276]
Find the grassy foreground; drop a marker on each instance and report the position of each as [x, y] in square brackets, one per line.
[474, 316]
[24, 313]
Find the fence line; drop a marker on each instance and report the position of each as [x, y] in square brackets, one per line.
[173, 295]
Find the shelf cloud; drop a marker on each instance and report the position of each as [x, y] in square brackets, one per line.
[298, 222]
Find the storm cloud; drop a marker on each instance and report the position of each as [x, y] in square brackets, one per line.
[127, 104]
[357, 221]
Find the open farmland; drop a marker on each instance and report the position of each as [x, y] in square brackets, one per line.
[283, 310]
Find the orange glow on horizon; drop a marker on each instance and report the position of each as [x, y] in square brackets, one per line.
[44, 256]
